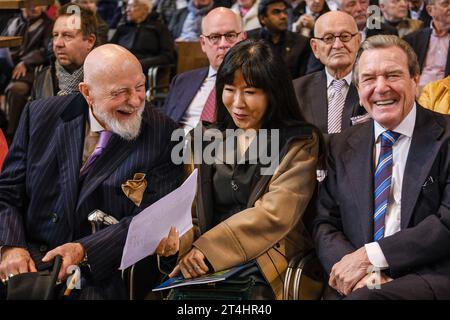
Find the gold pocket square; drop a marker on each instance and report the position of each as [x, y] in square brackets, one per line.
[134, 188]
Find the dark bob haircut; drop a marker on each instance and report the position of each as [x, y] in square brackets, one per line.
[261, 68]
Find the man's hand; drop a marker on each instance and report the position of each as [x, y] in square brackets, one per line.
[71, 253]
[191, 265]
[372, 279]
[15, 261]
[169, 246]
[19, 71]
[305, 21]
[349, 271]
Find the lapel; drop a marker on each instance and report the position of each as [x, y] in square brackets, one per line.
[351, 106]
[424, 147]
[421, 47]
[193, 83]
[69, 151]
[358, 166]
[114, 154]
[319, 101]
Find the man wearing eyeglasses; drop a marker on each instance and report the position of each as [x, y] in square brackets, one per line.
[291, 46]
[192, 94]
[328, 98]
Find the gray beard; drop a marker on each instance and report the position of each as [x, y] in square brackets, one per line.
[128, 131]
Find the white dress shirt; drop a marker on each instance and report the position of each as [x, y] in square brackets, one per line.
[192, 115]
[400, 151]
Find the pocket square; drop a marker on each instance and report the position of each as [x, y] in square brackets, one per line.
[134, 188]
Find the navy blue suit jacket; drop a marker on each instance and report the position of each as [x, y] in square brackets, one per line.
[43, 202]
[345, 203]
[182, 91]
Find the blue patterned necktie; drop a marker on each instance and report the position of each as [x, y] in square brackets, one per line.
[382, 182]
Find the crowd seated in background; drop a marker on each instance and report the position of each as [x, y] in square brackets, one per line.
[247, 10]
[102, 26]
[185, 24]
[395, 14]
[18, 64]
[145, 35]
[292, 47]
[431, 44]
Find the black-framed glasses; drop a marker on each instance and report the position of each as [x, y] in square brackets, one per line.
[215, 38]
[330, 38]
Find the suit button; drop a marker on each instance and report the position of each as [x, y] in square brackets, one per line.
[234, 186]
[43, 248]
[55, 218]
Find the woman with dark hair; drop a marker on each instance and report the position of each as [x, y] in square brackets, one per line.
[245, 215]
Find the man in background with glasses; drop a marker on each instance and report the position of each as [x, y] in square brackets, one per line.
[192, 94]
[328, 98]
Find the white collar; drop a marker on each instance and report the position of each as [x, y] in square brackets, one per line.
[406, 127]
[211, 72]
[330, 78]
[95, 126]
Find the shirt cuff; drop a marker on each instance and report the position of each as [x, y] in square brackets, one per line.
[376, 256]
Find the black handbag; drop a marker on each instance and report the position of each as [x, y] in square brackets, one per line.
[40, 285]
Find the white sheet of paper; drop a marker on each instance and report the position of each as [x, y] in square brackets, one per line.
[152, 224]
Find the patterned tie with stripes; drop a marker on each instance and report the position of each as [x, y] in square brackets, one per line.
[382, 182]
[336, 106]
[209, 110]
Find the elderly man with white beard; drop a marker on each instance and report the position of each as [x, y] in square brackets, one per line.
[100, 149]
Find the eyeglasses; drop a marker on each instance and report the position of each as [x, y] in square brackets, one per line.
[215, 38]
[330, 38]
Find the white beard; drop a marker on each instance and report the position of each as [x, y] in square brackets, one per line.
[127, 130]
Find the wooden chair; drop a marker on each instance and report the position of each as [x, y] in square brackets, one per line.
[190, 56]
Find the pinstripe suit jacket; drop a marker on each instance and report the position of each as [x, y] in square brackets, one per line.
[43, 203]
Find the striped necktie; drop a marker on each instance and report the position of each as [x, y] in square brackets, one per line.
[336, 106]
[209, 110]
[382, 182]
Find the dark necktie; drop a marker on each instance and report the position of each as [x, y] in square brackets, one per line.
[382, 182]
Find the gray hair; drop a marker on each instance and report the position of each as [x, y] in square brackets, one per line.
[147, 3]
[383, 42]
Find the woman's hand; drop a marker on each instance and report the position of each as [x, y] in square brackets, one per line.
[191, 265]
[169, 245]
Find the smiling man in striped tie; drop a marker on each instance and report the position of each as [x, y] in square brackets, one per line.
[383, 226]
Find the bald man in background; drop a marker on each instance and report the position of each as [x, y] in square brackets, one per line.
[191, 92]
[98, 149]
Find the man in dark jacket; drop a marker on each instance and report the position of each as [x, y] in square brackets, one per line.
[145, 35]
[35, 28]
[70, 47]
[293, 47]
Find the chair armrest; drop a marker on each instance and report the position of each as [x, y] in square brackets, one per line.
[304, 278]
